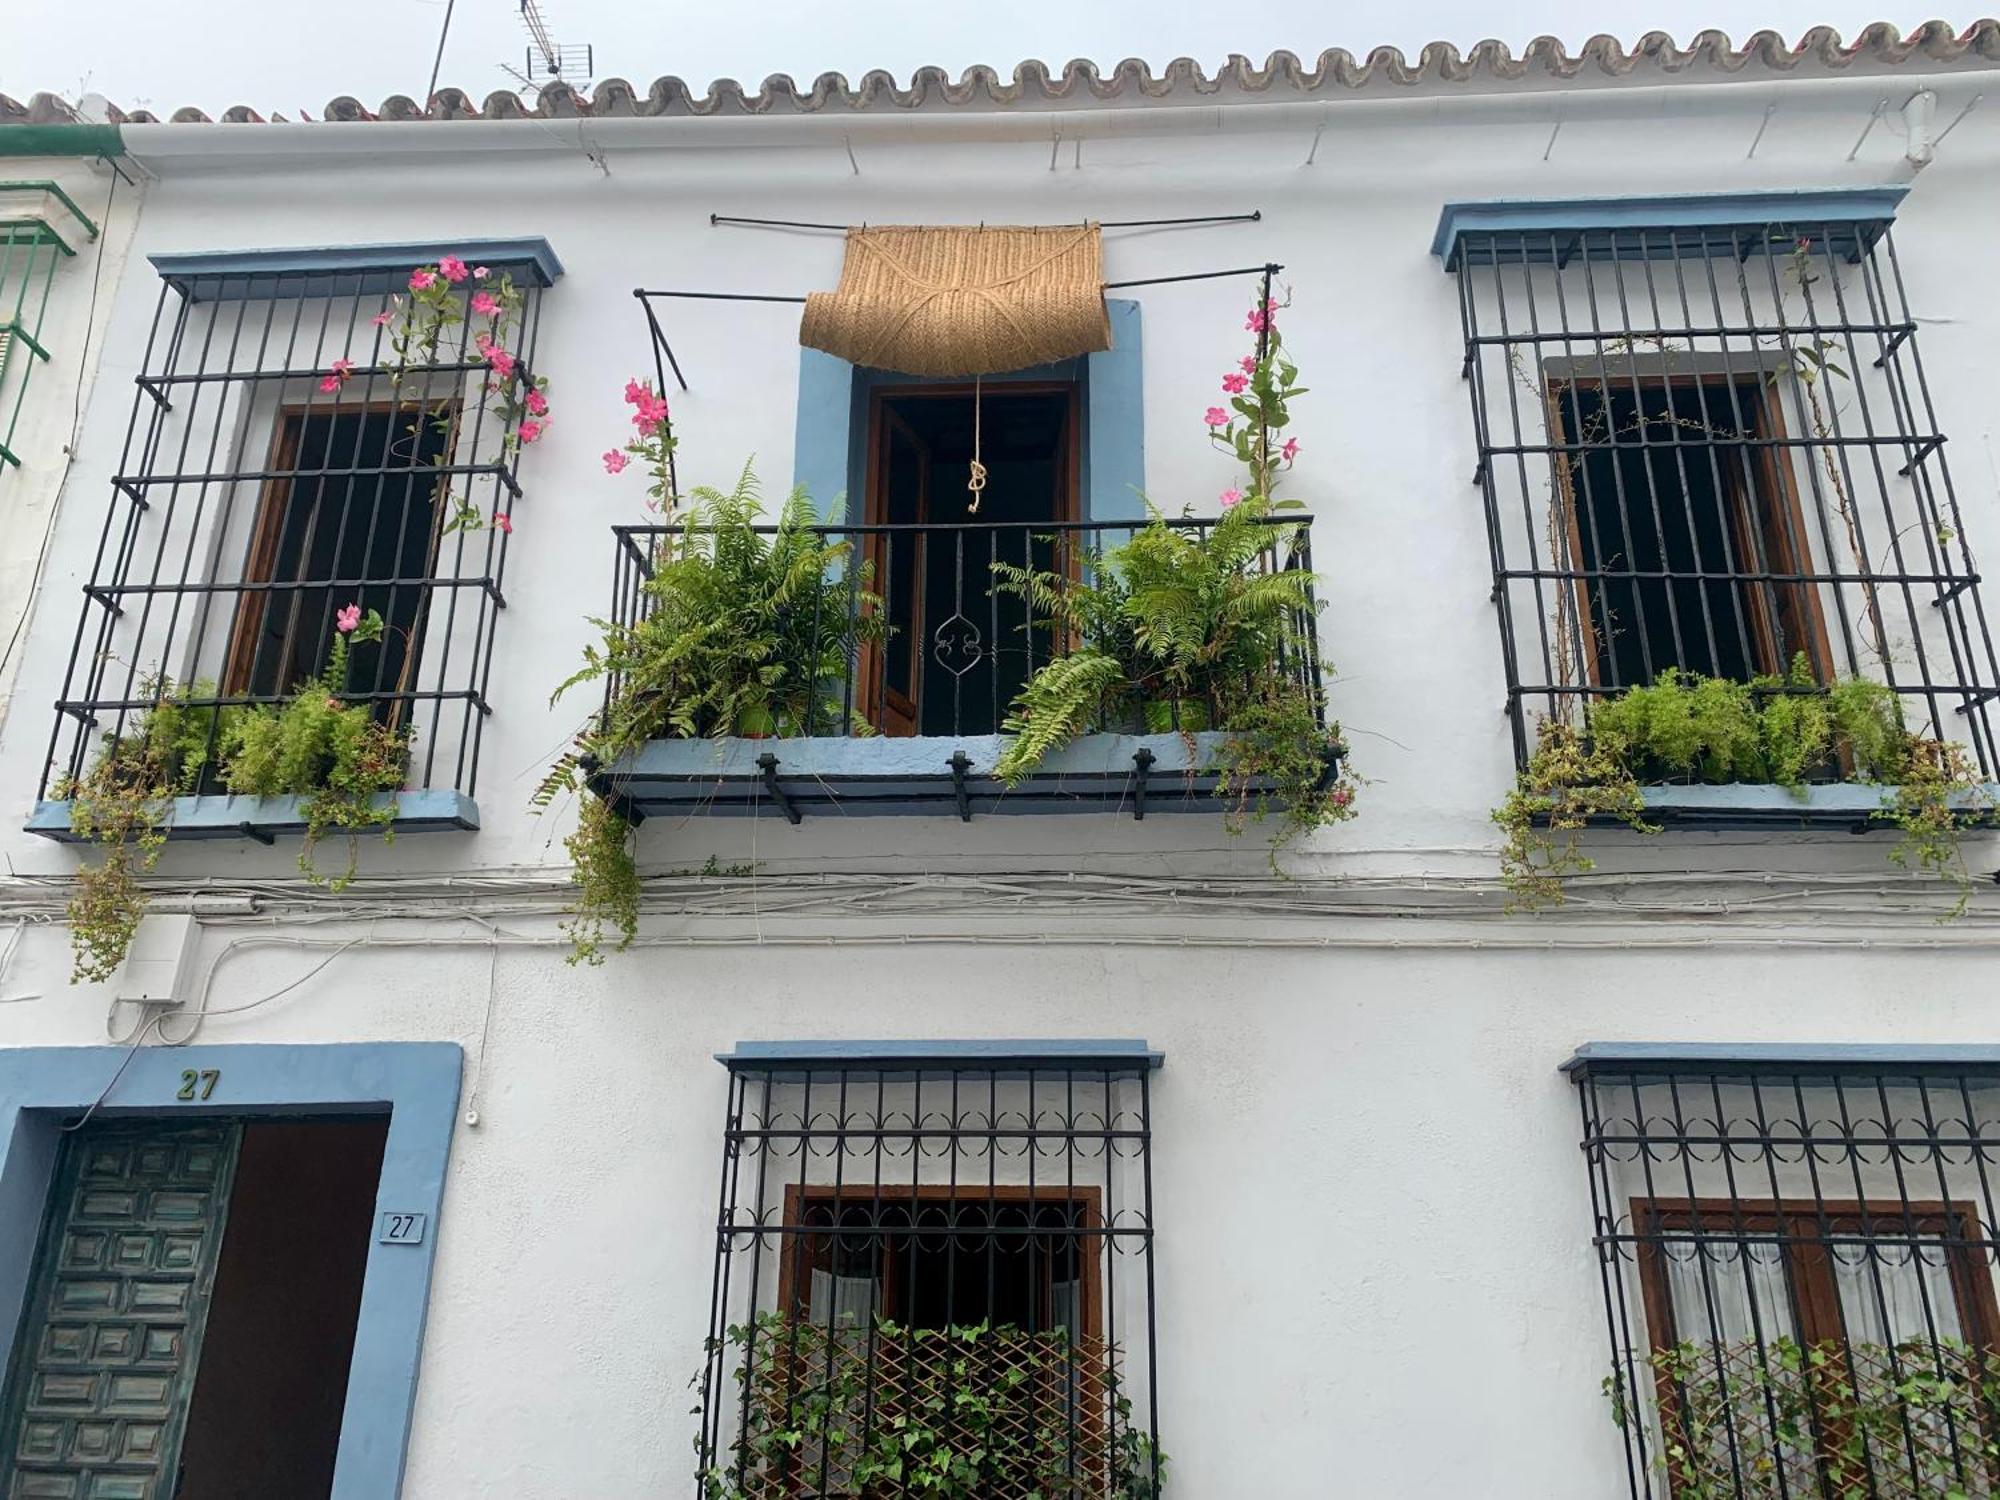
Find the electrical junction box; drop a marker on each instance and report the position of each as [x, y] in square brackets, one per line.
[161, 951]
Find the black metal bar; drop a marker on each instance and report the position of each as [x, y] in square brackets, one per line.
[768, 764]
[1252, 217]
[960, 763]
[1142, 770]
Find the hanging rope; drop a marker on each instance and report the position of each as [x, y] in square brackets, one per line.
[976, 480]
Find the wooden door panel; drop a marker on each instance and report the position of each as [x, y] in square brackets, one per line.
[97, 1400]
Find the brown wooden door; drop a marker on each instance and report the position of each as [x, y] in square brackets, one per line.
[892, 671]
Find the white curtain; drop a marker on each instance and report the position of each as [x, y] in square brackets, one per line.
[1716, 1282]
[850, 1301]
[1885, 1288]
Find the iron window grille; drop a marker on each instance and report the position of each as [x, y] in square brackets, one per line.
[32, 249]
[1798, 1273]
[928, 1255]
[252, 503]
[1712, 447]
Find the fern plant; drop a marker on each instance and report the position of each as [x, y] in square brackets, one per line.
[1188, 628]
[742, 631]
[335, 756]
[1684, 727]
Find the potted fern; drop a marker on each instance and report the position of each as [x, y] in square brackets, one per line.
[1201, 629]
[746, 631]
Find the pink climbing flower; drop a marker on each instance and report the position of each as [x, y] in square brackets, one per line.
[348, 620]
[503, 522]
[333, 705]
[1342, 795]
[532, 430]
[1215, 416]
[383, 318]
[651, 413]
[614, 461]
[480, 273]
[1231, 498]
[635, 392]
[537, 404]
[1258, 320]
[1248, 364]
[422, 279]
[337, 374]
[1234, 384]
[1289, 449]
[499, 358]
[485, 305]
[451, 268]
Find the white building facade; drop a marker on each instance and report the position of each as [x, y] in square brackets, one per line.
[1321, 1172]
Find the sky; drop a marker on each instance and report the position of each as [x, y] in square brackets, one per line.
[291, 56]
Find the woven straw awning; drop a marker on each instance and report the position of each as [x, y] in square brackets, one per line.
[963, 300]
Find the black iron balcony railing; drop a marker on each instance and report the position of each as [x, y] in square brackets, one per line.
[956, 643]
[903, 669]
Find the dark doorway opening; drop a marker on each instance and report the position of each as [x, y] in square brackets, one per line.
[264, 1419]
[957, 650]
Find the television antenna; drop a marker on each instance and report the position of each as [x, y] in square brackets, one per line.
[549, 61]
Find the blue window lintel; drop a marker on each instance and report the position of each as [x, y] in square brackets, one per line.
[225, 275]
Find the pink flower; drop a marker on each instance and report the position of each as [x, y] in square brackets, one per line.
[333, 705]
[422, 279]
[484, 305]
[614, 461]
[1342, 795]
[1231, 498]
[336, 374]
[503, 522]
[651, 413]
[531, 430]
[382, 318]
[1257, 321]
[482, 341]
[1248, 364]
[348, 619]
[451, 268]
[500, 359]
[1234, 384]
[537, 404]
[1289, 449]
[330, 384]
[480, 273]
[1215, 416]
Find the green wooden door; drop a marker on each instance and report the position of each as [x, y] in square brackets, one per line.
[105, 1360]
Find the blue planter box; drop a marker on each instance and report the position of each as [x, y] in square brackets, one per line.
[266, 818]
[1847, 805]
[911, 776]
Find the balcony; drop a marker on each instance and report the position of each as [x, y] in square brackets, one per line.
[905, 665]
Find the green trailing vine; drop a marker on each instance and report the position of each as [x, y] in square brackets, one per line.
[336, 757]
[1741, 1420]
[743, 633]
[1200, 629]
[1683, 727]
[956, 1413]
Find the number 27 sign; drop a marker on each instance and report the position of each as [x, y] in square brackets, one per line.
[402, 1229]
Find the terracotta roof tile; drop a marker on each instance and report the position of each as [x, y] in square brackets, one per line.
[1031, 85]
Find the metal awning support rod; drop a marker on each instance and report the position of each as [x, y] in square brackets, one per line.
[660, 344]
[1269, 270]
[1254, 216]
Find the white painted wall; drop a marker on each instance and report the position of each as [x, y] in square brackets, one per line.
[1374, 1266]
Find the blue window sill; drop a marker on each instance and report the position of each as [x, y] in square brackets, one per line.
[1848, 805]
[912, 776]
[266, 818]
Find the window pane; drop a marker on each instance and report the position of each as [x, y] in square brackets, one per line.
[1724, 1290]
[1894, 1291]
